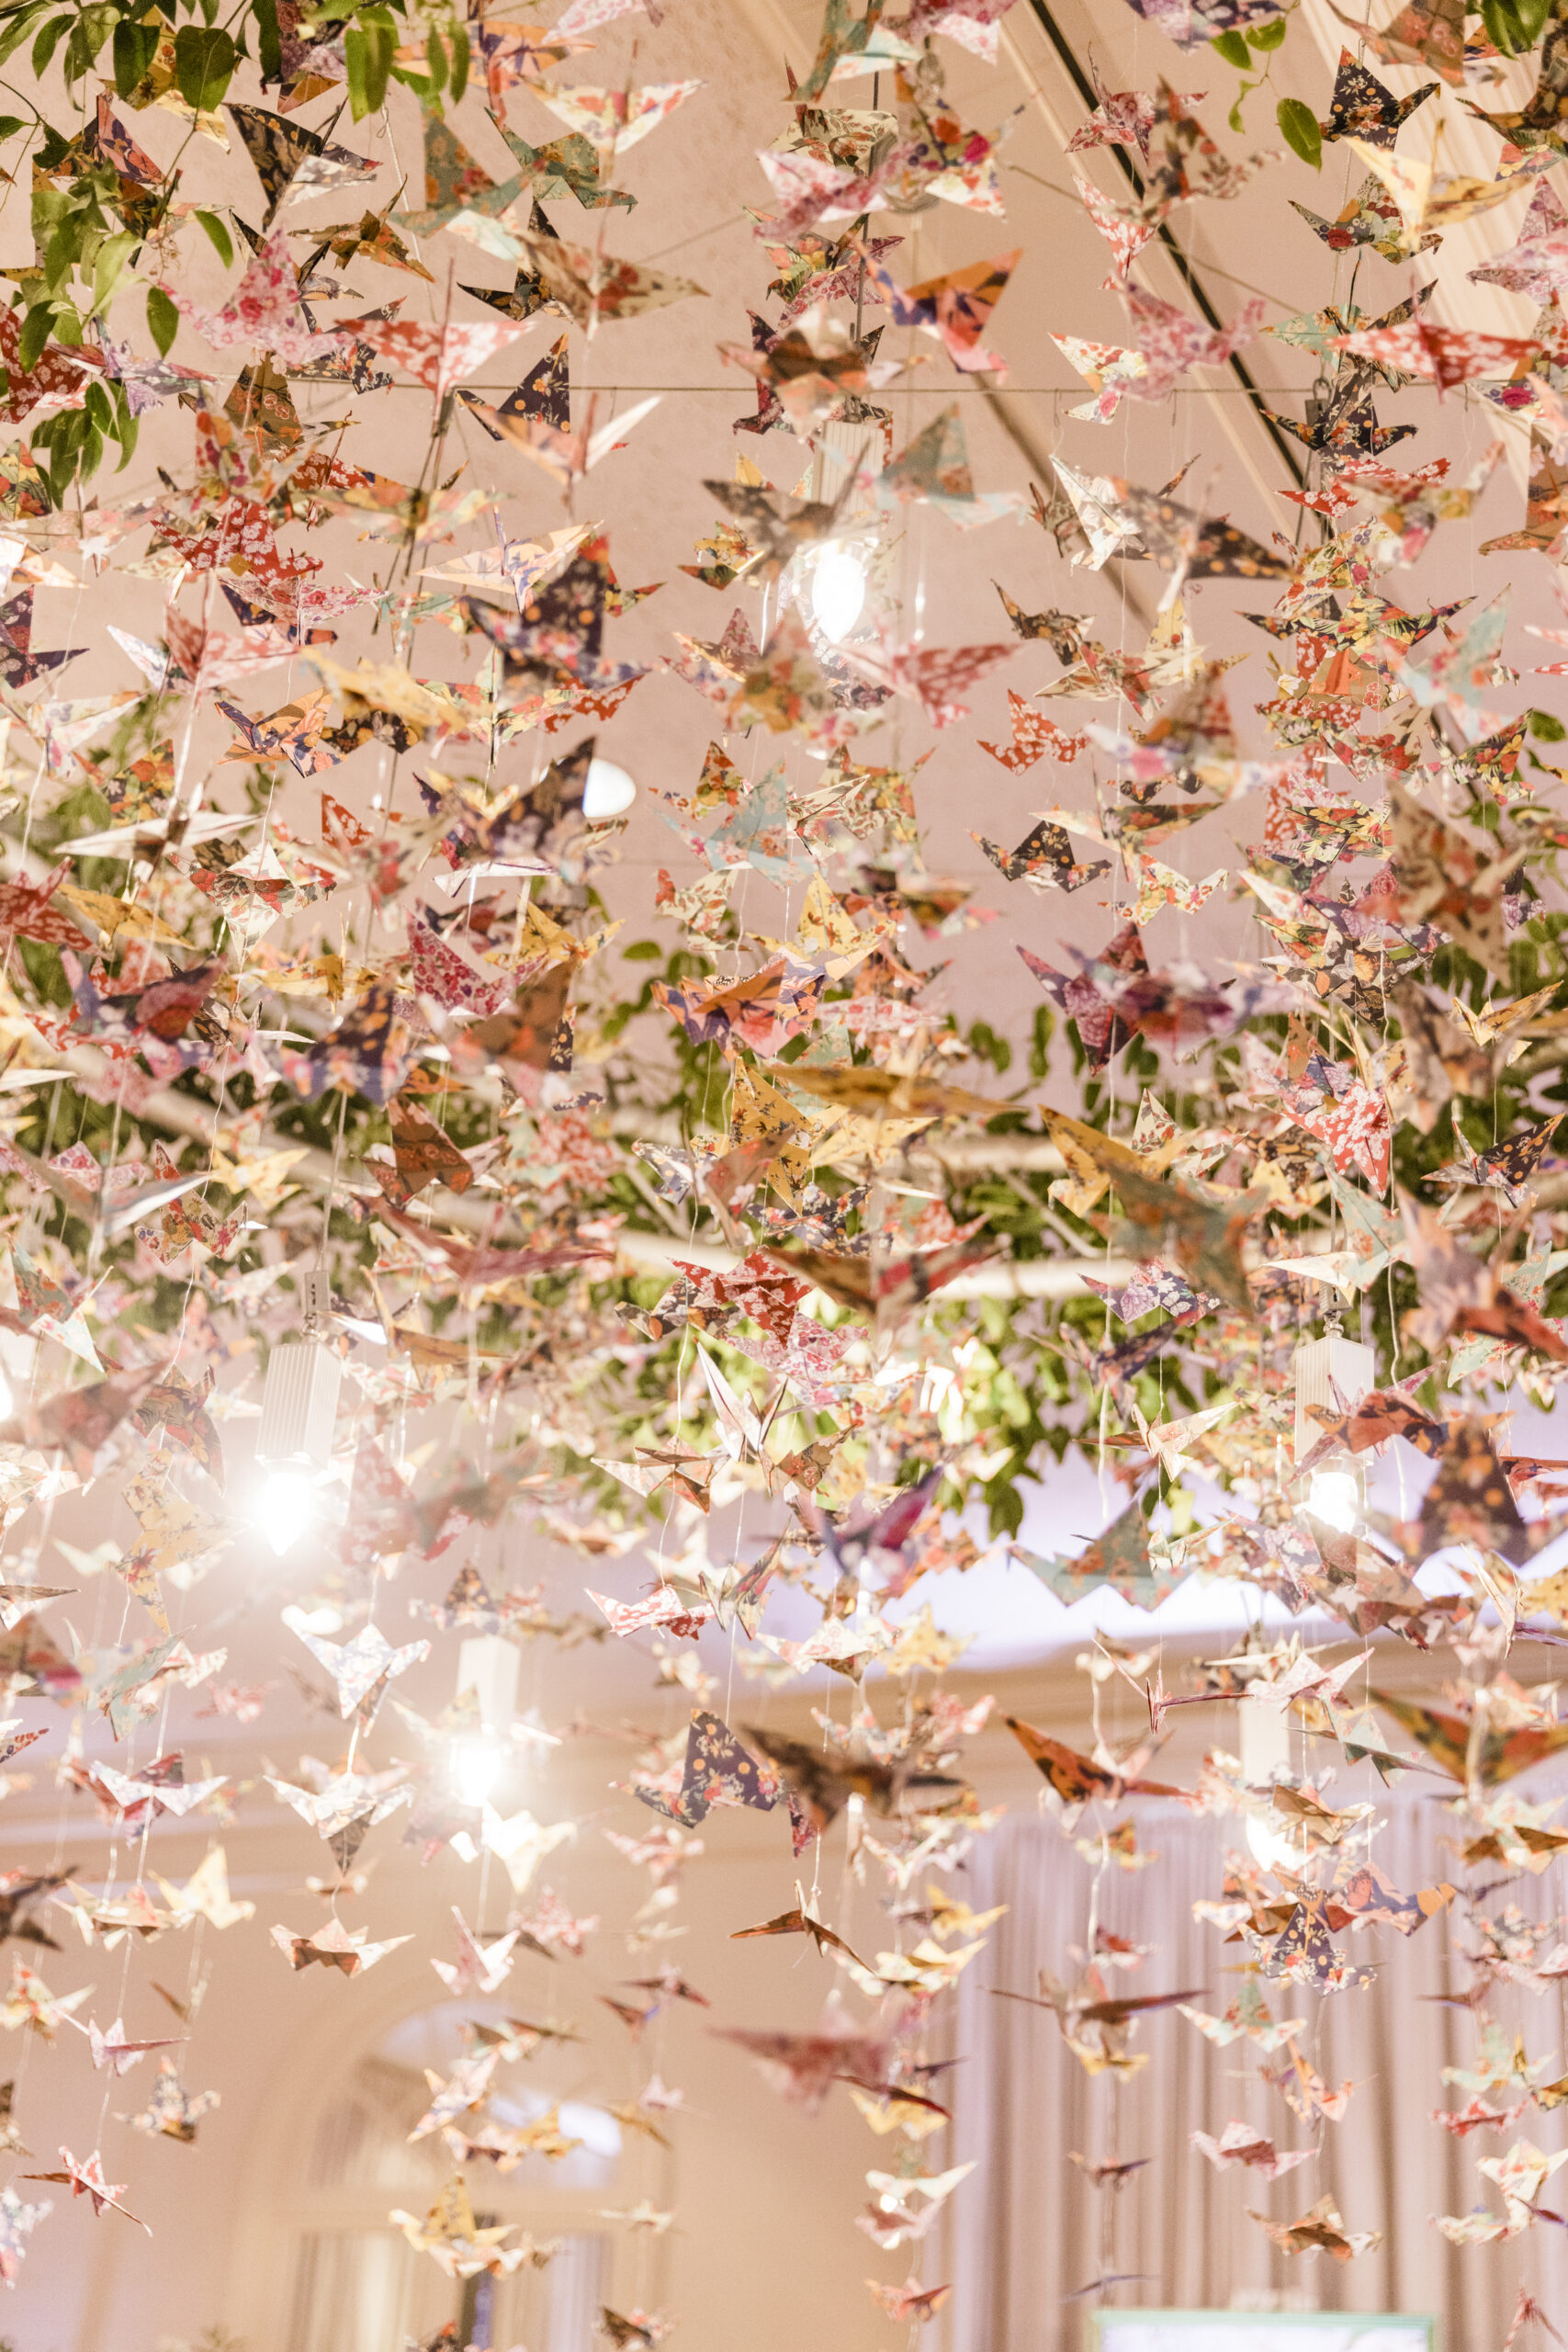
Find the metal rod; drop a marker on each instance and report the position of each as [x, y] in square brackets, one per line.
[1246, 381]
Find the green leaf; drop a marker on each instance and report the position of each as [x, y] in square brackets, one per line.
[94, 27]
[1040, 1041]
[367, 55]
[988, 1046]
[34, 334]
[1549, 729]
[383, 49]
[129, 431]
[1267, 36]
[20, 26]
[10, 124]
[1514, 26]
[163, 320]
[1233, 117]
[108, 265]
[133, 48]
[205, 59]
[60, 256]
[269, 43]
[222, 242]
[1232, 49]
[458, 78]
[48, 42]
[436, 61]
[1505, 25]
[1298, 125]
[355, 47]
[100, 406]
[1005, 1505]
[63, 436]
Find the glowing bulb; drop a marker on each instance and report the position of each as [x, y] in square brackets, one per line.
[475, 1767]
[322, 1619]
[1334, 1498]
[607, 793]
[838, 592]
[287, 1506]
[1270, 1847]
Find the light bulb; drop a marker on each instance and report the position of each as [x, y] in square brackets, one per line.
[286, 1507]
[1270, 1846]
[838, 592]
[1334, 1497]
[322, 1619]
[476, 1766]
[608, 791]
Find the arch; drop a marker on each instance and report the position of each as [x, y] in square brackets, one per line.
[317, 2264]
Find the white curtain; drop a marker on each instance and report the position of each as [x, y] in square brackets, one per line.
[1026, 2229]
[358, 2291]
[577, 2283]
[365, 2290]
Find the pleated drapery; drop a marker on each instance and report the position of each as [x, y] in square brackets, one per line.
[1025, 2230]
